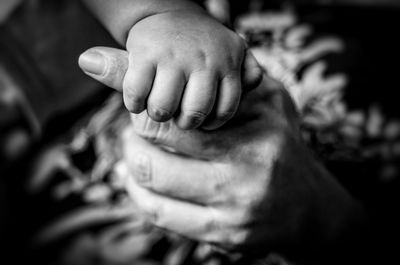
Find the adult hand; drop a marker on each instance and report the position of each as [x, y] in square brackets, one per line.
[250, 185]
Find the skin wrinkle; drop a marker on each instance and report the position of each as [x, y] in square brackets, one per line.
[143, 168]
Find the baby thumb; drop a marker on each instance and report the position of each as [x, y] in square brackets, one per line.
[106, 65]
[252, 72]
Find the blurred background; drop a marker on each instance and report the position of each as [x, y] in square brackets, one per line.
[62, 199]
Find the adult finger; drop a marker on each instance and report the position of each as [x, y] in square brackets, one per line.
[166, 93]
[106, 65]
[188, 219]
[189, 142]
[171, 174]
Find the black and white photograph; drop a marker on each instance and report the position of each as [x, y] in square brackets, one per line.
[199, 132]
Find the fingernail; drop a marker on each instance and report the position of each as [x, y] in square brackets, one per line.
[141, 168]
[158, 114]
[190, 120]
[92, 62]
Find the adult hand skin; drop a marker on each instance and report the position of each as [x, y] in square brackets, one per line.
[251, 185]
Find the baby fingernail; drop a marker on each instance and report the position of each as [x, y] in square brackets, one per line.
[141, 168]
[158, 114]
[92, 62]
[191, 120]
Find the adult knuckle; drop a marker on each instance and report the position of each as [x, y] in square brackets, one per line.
[141, 169]
[226, 233]
[233, 239]
[219, 183]
[239, 238]
[213, 222]
[153, 212]
[240, 216]
[156, 215]
[250, 201]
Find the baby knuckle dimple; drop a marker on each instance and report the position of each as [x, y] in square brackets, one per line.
[201, 58]
[168, 55]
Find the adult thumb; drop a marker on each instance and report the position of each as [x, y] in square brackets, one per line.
[106, 65]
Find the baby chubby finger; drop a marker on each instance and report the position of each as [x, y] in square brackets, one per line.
[137, 85]
[227, 103]
[165, 94]
[198, 99]
[252, 72]
[169, 173]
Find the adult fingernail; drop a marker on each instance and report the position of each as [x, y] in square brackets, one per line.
[141, 168]
[92, 62]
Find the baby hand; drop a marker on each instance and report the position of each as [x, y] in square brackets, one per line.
[184, 64]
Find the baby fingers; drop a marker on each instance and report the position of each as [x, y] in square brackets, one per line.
[198, 99]
[137, 85]
[165, 94]
[227, 103]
